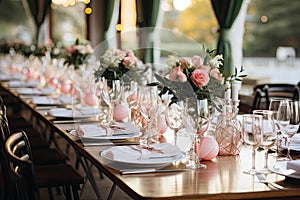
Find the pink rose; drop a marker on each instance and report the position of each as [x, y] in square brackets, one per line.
[215, 73]
[196, 61]
[177, 75]
[185, 62]
[200, 78]
[70, 49]
[205, 67]
[129, 62]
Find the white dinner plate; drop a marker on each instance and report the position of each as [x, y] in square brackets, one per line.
[280, 168]
[35, 91]
[19, 84]
[74, 113]
[46, 100]
[153, 162]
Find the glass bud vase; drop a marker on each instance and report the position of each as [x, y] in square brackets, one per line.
[228, 131]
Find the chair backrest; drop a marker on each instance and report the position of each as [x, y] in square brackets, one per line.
[19, 159]
[263, 94]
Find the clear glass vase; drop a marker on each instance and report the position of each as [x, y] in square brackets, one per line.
[228, 131]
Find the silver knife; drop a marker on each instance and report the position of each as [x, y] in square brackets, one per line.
[273, 185]
[150, 170]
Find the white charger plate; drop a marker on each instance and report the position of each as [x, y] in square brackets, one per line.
[69, 113]
[280, 168]
[153, 162]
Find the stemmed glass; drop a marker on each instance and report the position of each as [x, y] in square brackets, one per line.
[174, 117]
[274, 106]
[196, 120]
[112, 96]
[268, 135]
[130, 96]
[148, 105]
[252, 127]
[289, 128]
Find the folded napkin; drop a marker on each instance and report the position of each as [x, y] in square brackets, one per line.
[294, 165]
[295, 142]
[52, 100]
[31, 83]
[75, 112]
[93, 130]
[35, 91]
[137, 152]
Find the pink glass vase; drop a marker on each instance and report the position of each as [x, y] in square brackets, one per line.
[228, 132]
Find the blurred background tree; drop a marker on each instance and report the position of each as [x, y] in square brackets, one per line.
[271, 24]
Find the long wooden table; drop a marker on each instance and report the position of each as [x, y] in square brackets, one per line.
[222, 179]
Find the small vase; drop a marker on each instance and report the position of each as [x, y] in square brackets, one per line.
[228, 132]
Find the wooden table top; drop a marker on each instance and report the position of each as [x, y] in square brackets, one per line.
[222, 179]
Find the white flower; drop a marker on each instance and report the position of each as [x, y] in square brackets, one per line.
[216, 61]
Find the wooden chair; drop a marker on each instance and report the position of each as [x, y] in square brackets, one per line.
[263, 94]
[27, 179]
[41, 152]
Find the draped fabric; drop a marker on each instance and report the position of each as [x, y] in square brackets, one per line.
[111, 16]
[149, 13]
[38, 10]
[226, 12]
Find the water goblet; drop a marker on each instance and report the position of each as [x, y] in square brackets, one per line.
[129, 96]
[148, 106]
[290, 128]
[274, 106]
[252, 127]
[196, 121]
[174, 117]
[268, 135]
[112, 96]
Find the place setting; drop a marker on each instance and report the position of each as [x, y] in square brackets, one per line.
[131, 159]
[74, 112]
[53, 100]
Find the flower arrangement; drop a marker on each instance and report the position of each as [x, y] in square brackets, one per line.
[78, 54]
[117, 64]
[188, 77]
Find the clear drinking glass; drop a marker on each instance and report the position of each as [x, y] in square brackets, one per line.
[148, 106]
[112, 96]
[274, 106]
[290, 129]
[268, 135]
[196, 119]
[129, 95]
[174, 117]
[252, 127]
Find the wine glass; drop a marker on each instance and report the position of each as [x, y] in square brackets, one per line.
[148, 106]
[173, 116]
[292, 127]
[112, 96]
[129, 96]
[196, 121]
[274, 106]
[268, 135]
[252, 127]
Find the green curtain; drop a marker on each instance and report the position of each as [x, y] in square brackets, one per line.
[38, 10]
[226, 12]
[149, 12]
[111, 16]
